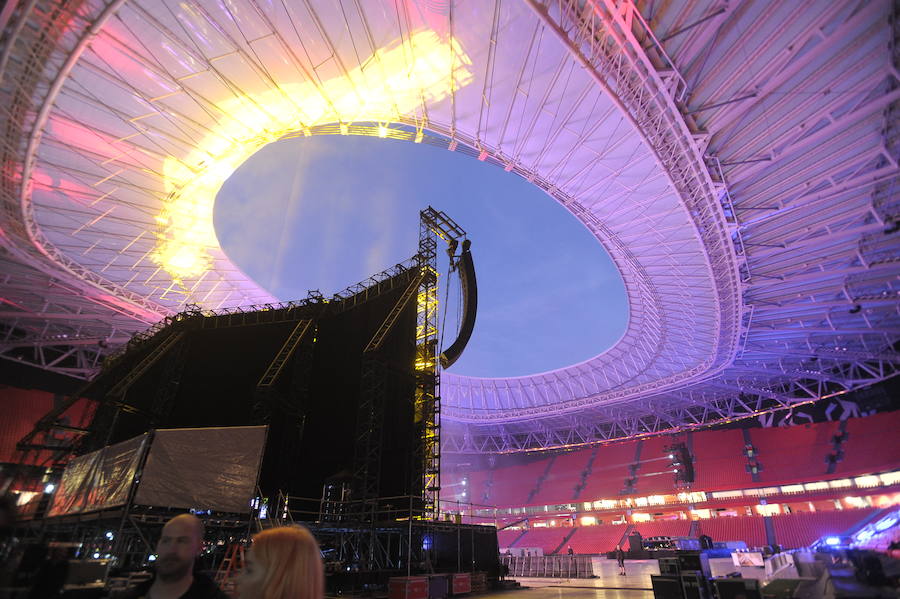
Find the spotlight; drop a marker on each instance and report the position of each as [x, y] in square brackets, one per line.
[832, 541]
[49, 488]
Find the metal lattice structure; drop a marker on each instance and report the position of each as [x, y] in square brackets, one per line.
[427, 367]
[737, 160]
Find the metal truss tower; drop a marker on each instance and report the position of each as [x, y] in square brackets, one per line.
[433, 224]
[427, 396]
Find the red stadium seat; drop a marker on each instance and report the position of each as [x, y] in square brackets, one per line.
[597, 539]
[801, 529]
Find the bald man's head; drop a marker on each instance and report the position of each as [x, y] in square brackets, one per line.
[179, 545]
[187, 522]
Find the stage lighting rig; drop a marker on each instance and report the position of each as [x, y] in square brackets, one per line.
[682, 464]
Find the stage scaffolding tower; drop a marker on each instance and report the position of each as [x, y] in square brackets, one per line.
[432, 224]
[427, 394]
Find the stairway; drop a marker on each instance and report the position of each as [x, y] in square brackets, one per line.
[540, 481]
[519, 538]
[770, 530]
[230, 566]
[837, 442]
[585, 474]
[633, 469]
[564, 541]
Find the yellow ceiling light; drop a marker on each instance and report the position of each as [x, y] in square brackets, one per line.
[396, 81]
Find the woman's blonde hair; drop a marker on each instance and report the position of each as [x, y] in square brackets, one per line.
[292, 562]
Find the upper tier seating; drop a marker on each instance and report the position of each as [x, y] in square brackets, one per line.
[801, 529]
[655, 476]
[793, 454]
[719, 462]
[513, 484]
[609, 471]
[871, 445]
[787, 455]
[477, 491]
[22, 408]
[559, 486]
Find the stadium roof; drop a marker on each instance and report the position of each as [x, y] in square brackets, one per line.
[737, 160]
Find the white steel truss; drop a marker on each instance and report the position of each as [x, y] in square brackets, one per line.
[737, 160]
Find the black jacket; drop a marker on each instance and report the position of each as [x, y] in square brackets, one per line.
[202, 588]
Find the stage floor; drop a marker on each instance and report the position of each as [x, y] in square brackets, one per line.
[607, 585]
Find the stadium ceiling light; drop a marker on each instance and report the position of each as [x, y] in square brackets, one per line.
[185, 231]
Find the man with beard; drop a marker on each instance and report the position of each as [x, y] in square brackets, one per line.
[178, 547]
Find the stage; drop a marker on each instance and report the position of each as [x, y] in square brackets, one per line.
[607, 584]
[606, 576]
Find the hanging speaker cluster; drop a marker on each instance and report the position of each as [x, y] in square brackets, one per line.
[682, 464]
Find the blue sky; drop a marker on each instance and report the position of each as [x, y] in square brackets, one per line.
[327, 211]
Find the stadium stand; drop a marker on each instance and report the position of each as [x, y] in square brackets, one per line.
[542, 478]
[664, 528]
[513, 485]
[865, 450]
[548, 539]
[801, 529]
[719, 461]
[21, 408]
[787, 455]
[793, 455]
[559, 486]
[609, 471]
[506, 538]
[479, 487]
[597, 539]
[749, 529]
[654, 475]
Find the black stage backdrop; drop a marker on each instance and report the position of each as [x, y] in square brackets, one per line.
[312, 410]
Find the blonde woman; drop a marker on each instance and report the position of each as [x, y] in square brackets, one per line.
[283, 563]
